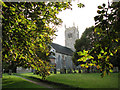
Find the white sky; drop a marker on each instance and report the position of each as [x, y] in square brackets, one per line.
[82, 17]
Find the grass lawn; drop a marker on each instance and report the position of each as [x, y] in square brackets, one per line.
[10, 81]
[29, 75]
[84, 80]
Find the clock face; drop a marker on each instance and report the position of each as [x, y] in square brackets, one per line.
[70, 35]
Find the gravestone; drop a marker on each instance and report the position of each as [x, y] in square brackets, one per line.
[61, 71]
[115, 69]
[79, 70]
[69, 70]
[51, 72]
[55, 71]
[74, 70]
[10, 72]
[65, 70]
[88, 70]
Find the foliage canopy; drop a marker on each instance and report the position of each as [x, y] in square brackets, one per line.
[107, 28]
[27, 33]
[85, 42]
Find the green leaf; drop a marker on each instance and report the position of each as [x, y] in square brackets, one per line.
[100, 7]
[96, 18]
[105, 53]
[91, 64]
[82, 65]
[31, 51]
[90, 57]
[13, 9]
[4, 4]
[32, 65]
[79, 53]
[80, 5]
[98, 33]
[116, 40]
[111, 70]
[79, 60]
[104, 5]
[106, 48]
[98, 11]
[102, 51]
[111, 54]
[5, 56]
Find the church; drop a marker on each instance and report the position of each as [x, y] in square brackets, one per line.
[62, 57]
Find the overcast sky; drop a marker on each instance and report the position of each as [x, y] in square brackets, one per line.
[82, 17]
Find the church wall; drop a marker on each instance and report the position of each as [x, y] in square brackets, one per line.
[63, 61]
[58, 60]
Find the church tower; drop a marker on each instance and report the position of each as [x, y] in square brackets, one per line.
[71, 34]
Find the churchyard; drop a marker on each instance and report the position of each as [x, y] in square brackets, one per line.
[11, 81]
[73, 80]
[31, 60]
[63, 78]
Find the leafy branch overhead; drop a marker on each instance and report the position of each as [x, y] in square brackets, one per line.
[27, 33]
[107, 43]
[80, 5]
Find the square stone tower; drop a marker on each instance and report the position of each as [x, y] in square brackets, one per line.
[71, 34]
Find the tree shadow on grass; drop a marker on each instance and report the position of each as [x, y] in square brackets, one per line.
[55, 84]
[60, 86]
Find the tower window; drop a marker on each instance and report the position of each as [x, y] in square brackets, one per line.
[70, 35]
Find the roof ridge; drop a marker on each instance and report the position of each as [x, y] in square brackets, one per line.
[62, 46]
[62, 49]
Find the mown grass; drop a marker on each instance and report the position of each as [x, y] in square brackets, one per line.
[84, 80]
[29, 76]
[10, 81]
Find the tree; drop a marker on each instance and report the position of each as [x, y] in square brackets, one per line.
[85, 42]
[107, 45]
[26, 30]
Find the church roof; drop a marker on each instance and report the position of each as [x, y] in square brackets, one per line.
[62, 49]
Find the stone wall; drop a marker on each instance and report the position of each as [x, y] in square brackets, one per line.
[23, 70]
[63, 61]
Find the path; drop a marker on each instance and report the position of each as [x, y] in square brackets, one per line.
[38, 83]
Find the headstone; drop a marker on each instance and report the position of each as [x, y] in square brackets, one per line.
[69, 70]
[3, 70]
[74, 70]
[51, 72]
[55, 71]
[88, 69]
[65, 70]
[79, 70]
[61, 71]
[115, 69]
[83, 70]
[10, 72]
